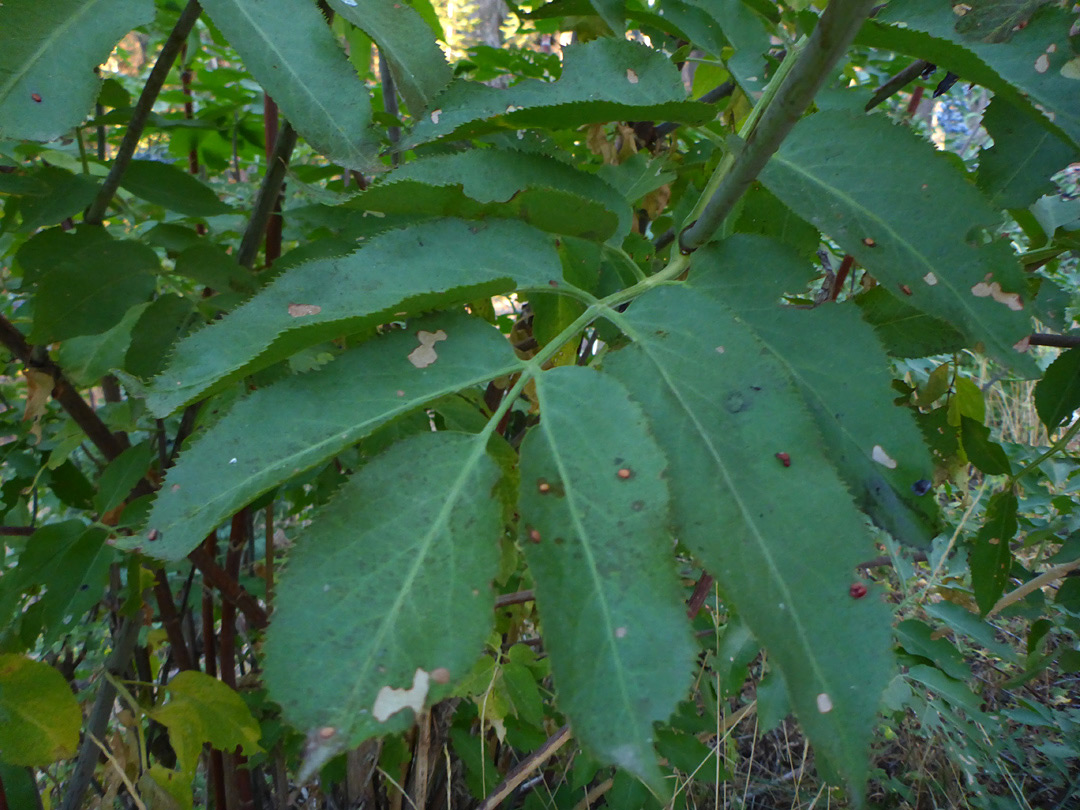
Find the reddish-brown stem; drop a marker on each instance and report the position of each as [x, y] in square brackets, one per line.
[231, 591]
[215, 761]
[700, 594]
[3, 796]
[272, 249]
[516, 598]
[110, 444]
[17, 531]
[170, 618]
[916, 99]
[269, 573]
[841, 276]
[238, 536]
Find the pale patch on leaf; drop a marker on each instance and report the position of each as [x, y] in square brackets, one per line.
[993, 290]
[1023, 345]
[881, 457]
[1042, 64]
[930, 279]
[300, 310]
[424, 354]
[390, 701]
[39, 386]
[435, 116]
[631, 76]
[1071, 69]
[824, 703]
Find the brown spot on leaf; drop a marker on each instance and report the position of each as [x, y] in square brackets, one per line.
[543, 486]
[36, 97]
[326, 732]
[905, 289]
[534, 535]
[624, 473]
[424, 354]
[300, 310]
[440, 675]
[631, 77]
[869, 242]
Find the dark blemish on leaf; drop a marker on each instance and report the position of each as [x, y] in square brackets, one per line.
[637, 506]
[559, 541]
[153, 535]
[624, 473]
[921, 487]
[83, 587]
[534, 535]
[755, 387]
[735, 402]
[618, 461]
[857, 591]
[553, 283]
[36, 97]
[905, 289]
[785, 459]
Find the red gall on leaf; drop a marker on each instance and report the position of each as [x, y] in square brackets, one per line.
[869, 242]
[534, 535]
[36, 97]
[785, 459]
[624, 473]
[857, 591]
[905, 289]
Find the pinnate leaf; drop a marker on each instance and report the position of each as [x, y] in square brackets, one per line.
[48, 52]
[783, 541]
[291, 52]
[594, 513]
[389, 592]
[39, 716]
[171, 187]
[918, 233]
[606, 79]
[397, 274]
[231, 465]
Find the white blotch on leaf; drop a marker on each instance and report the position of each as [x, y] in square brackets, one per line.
[824, 703]
[232, 460]
[1023, 344]
[631, 77]
[390, 701]
[930, 279]
[349, 2]
[424, 354]
[300, 310]
[435, 116]
[620, 632]
[719, 349]
[881, 457]
[1071, 69]
[1042, 64]
[993, 290]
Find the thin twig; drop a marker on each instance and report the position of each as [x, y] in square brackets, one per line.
[267, 197]
[520, 772]
[141, 112]
[1045, 578]
[1058, 341]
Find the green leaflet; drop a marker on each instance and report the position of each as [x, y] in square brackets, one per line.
[171, 187]
[291, 52]
[542, 191]
[594, 512]
[1029, 68]
[231, 465]
[903, 330]
[990, 557]
[841, 372]
[1016, 170]
[396, 274]
[783, 541]
[916, 233]
[747, 34]
[39, 716]
[387, 596]
[416, 61]
[1057, 394]
[85, 282]
[48, 52]
[606, 79]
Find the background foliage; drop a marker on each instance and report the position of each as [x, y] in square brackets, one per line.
[398, 392]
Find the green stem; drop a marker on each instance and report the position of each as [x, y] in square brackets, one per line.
[1054, 449]
[794, 92]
